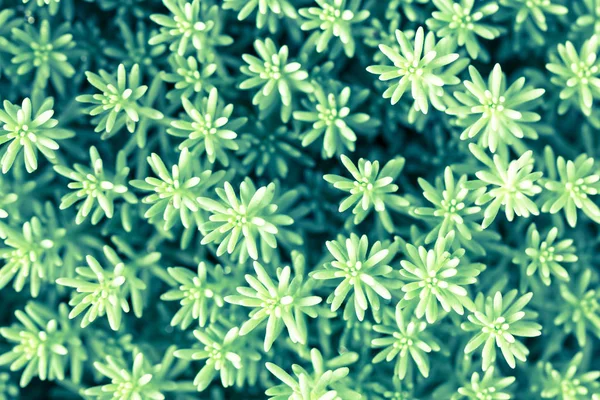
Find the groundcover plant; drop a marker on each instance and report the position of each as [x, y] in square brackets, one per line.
[299, 199]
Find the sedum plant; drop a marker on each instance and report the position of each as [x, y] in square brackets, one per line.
[190, 25]
[462, 23]
[546, 257]
[452, 209]
[225, 353]
[268, 12]
[45, 345]
[370, 189]
[569, 186]
[118, 103]
[424, 67]
[200, 294]
[364, 275]
[274, 152]
[53, 5]
[140, 381]
[322, 383]
[281, 304]
[98, 189]
[498, 114]
[569, 383]
[102, 293]
[210, 130]
[277, 78]
[43, 51]
[135, 49]
[498, 320]
[487, 386]
[174, 193]
[334, 18]
[580, 313]
[577, 74]
[331, 117]
[189, 77]
[283, 220]
[513, 184]
[7, 388]
[406, 340]
[32, 255]
[246, 224]
[30, 128]
[434, 278]
[529, 15]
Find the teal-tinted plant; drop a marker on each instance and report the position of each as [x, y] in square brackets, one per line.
[277, 78]
[452, 209]
[90, 37]
[6, 199]
[569, 187]
[209, 128]
[333, 18]
[32, 255]
[291, 202]
[577, 74]
[272, 150]
[283, 303]
[546, 257]
[587, 22]
[12, 191]
[512, 185]
[325, 382]
[124, 8]
[219, 226]
[189, 77]
[147, 125]
[118, 103]
[364, 275]
[97, 188]
[100, 292]
[462, 23]
[528, 12]
[405, 339]
[570, 383]
[7, 23]
[384, 32]
[135, 49]
[200, 294]
[226, 353]
[580, 308]
[103, 343]
[45, 345]
[370, 189]
[174, 192]
[400, 391]
[497, 322]
[246, 224]
[498, 115]
[53, 5]
[268, 12]
[487, 386]
[331, 117]
[30, 128]
[8, 390]
[436, 277]
[191, 25]
[423, 67]
[140, 381]
[44, 51]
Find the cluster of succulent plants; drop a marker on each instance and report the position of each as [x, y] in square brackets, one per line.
[300, 199]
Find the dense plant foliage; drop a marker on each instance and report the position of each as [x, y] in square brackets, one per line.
[300, 199]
